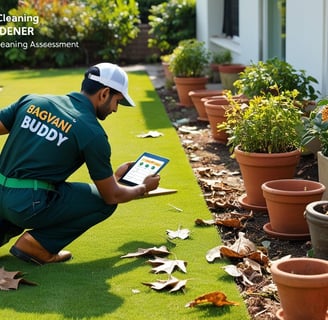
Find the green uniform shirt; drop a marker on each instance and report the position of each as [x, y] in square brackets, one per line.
[51, 137]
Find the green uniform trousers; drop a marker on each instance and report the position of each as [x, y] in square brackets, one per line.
[55, 218]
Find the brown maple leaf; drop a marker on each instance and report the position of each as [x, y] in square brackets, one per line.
[11, 280]
[217, 298]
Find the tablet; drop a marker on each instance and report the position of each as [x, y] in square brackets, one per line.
[147, 164]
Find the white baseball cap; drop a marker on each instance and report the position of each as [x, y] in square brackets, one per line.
[113, 76]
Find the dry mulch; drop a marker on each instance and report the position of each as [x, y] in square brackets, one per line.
[219, 178]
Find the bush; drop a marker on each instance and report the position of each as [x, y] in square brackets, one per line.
[189, 59]
[102, 29]
[259, 78]
[172, 22]
[144, 8]
[5, 6]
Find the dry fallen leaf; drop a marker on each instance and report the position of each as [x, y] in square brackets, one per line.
[202, 222]
[167, 265]
[217, 298]
[243, 245]
[241, 248]
[162, 250]
[174, 284]
[214, 253]
[11, 280]
[180, 233]
[150, 134]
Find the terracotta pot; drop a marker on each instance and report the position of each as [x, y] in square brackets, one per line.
[286, 201]
[184, 85]
[229, 73]
[257, 168]
[302, 285]
[167, 73]
[323, 172]
[317, 220]
[216, 108]
[198, 101]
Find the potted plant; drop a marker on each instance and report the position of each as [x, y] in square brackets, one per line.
[188, 64]
[165, 59]
[216, 108]
[170, 22]
[229, 74]
[221, 57]
[316, 129]
[302, 285]
[316, 215]
[265, 138]
[286, 200]
[261, 78]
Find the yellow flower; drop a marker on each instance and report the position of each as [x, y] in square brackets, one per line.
[324, 113]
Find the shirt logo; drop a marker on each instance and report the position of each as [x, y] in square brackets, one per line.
[41, 127]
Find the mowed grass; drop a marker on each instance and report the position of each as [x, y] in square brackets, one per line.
[97, 283]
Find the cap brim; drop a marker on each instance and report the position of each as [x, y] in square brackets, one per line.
[127, 101]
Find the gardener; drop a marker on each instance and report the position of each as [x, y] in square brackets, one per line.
[50, 137]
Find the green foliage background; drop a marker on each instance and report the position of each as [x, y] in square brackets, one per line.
[101, 27]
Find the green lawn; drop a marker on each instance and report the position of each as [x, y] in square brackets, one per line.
[97, 283]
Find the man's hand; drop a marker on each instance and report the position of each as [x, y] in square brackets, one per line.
[122, 169]
[151, 182]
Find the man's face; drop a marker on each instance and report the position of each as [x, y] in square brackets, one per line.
[108, 106]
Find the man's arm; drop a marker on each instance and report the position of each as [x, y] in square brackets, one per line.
[112, 192]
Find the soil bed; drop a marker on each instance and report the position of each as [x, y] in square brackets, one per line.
[211, 162]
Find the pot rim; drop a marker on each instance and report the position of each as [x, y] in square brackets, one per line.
[264, 155]
[310, 209]
[316, 187]
[321, 279]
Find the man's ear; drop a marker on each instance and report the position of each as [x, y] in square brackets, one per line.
[103, 94]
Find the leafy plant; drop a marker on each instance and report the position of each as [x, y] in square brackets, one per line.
[222, 57]
[316, 126]
[101, 27]
[270, 124]
[171, 22]
[259, 78]
[144, 8]
[189, 59]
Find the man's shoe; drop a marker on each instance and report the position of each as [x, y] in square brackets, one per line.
[30, 250]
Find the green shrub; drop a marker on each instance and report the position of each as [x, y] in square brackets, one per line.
[171, 22]
[260, 77]
[268, 124]
[102, 29]
[189, 59]
[5, 6]
[144, 8]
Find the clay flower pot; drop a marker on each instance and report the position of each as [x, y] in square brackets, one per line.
[316, 215]
[216, 108]
[186, 84]
[229, 73]
[302, 285]
[257, 168]
[286, 201]
[198, 101]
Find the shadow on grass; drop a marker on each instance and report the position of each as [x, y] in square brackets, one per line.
[208, 311]
[75, 290]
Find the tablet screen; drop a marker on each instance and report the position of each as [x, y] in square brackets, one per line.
[147, 164]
